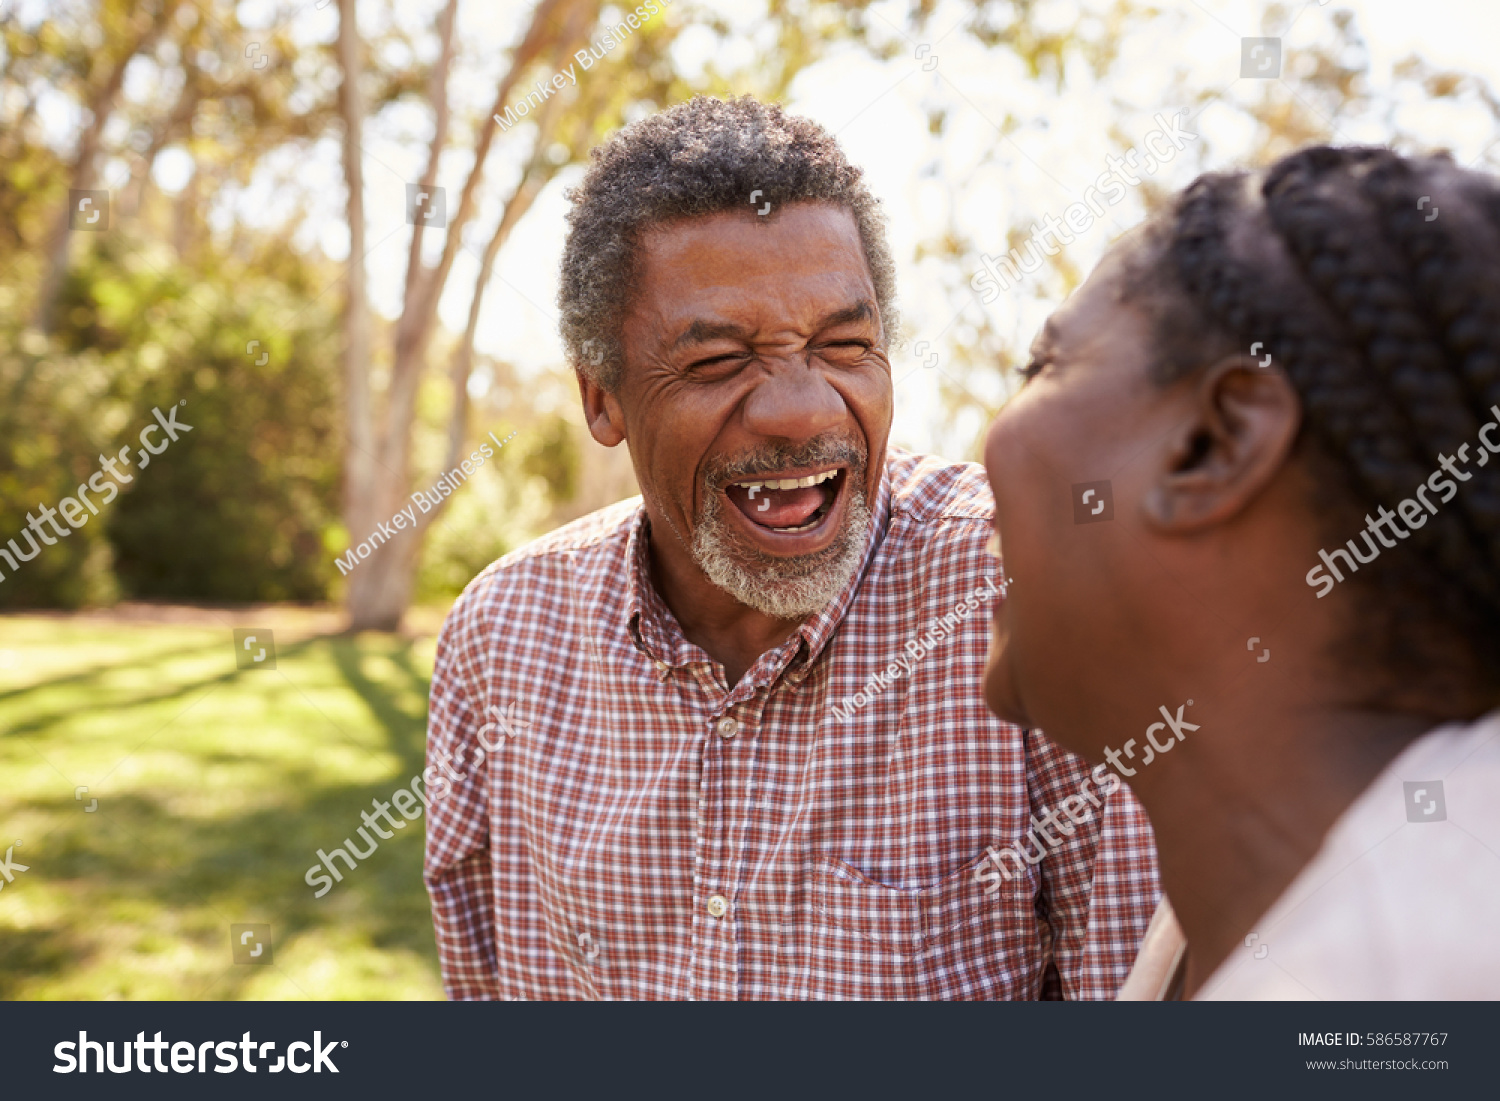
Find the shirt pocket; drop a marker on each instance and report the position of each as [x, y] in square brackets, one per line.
[948, 940]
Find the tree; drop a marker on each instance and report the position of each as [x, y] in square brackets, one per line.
[400, 421]
[377, 469]
[133, 33]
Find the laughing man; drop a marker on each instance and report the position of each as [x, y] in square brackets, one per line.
[649, 793]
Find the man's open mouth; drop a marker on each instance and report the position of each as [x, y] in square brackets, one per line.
[788, 502]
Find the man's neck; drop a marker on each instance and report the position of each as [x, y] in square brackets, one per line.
[733, 634]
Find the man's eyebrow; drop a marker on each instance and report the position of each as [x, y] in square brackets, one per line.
[860, 311]
[701, 332]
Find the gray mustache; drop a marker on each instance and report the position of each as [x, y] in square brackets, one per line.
[821, 451]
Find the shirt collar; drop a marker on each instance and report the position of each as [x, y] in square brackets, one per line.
[655, 630]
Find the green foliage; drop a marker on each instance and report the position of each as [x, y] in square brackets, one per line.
[552, 455]
[511, 498]
[50, 432]
[238, 508]
[160, 309]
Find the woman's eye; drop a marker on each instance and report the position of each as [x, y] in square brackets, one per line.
[1031, 369]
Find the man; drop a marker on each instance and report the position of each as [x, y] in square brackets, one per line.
[727, 741]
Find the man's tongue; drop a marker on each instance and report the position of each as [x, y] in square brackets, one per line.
[780, 508]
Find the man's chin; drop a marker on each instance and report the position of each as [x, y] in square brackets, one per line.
[791, 588]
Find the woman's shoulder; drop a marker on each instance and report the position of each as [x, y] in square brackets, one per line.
[1403, 898]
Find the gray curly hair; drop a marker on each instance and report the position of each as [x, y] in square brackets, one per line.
[698, 158]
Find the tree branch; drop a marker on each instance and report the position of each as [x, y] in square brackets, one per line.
[100, 107]
[539, 172]
[414, 330]
[438, 94]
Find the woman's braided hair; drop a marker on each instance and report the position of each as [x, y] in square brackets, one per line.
[1389, 330]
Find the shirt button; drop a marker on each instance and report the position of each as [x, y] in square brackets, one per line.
[728, 728]
[718, 906]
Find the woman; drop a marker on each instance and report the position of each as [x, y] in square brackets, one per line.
[1249, 503]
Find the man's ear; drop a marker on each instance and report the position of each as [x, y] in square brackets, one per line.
[1239, 425]
[605, 418]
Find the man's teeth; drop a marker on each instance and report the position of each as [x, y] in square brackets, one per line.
[790, 483]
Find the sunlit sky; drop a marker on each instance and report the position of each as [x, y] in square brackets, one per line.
[969, 180]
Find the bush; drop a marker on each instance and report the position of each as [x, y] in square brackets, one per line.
[52, 425]
[240, 507]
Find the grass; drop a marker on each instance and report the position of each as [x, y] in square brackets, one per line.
[215, 788]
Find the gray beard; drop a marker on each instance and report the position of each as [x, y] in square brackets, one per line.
[783, 588]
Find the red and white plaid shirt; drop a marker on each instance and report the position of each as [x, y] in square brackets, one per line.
[642, 830]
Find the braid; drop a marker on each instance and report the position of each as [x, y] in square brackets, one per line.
[1460, 297]
[1390, 333]
[1444, 276]
[1370, 288]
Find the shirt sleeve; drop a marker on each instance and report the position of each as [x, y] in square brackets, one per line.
[456, 868]
[1100, 884]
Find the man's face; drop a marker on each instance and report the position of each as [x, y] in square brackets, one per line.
[756, 397]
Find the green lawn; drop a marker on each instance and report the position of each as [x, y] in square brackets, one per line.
[215, 788]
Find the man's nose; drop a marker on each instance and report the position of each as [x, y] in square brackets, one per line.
[794, 402]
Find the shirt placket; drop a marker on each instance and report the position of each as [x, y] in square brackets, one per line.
[720, 926]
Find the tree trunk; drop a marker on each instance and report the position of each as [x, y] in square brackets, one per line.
[366, 587]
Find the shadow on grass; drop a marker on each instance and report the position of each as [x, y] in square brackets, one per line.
[346, 660]
[141, 878]
[381, 700]
[83, 677]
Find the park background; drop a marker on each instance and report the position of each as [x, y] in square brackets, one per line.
[260, 265]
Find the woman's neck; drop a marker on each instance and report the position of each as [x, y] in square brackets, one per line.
[1240, 814]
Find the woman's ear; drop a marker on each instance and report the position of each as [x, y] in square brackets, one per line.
[1239, 425]
[606, 420]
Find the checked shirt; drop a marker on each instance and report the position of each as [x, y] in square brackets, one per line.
[638, 829]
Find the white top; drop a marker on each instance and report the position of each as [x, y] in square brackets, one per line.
[1403, 899]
